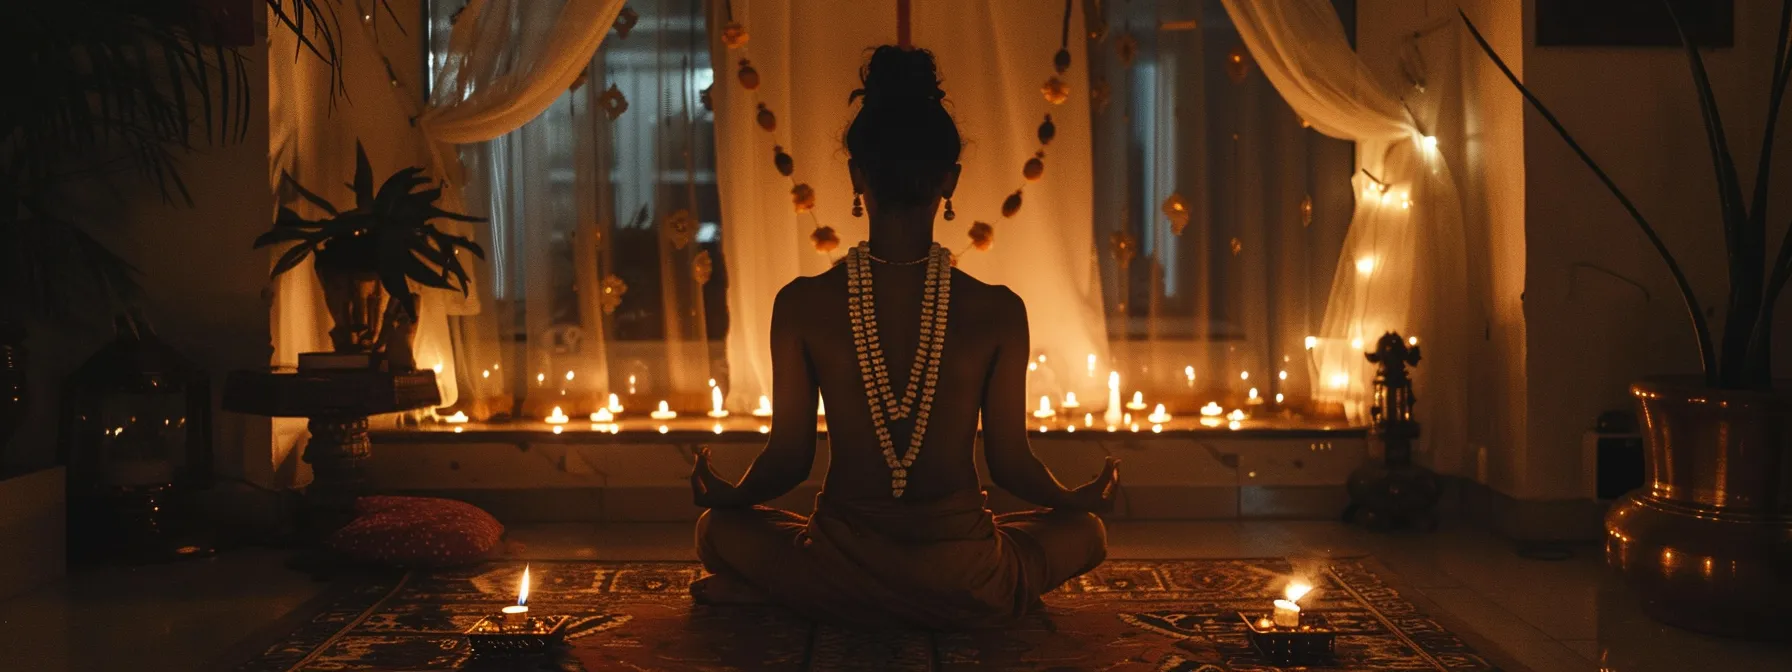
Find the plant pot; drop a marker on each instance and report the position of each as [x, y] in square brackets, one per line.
[357, 305]
[1707, 542]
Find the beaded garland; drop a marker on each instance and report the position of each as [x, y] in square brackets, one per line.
[917, 397]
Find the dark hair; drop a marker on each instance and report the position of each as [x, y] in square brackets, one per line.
[902, 140]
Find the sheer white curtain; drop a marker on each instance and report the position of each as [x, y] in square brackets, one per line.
[993, 55]
[1402, 267]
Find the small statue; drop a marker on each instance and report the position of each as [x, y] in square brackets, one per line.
[1393, 492]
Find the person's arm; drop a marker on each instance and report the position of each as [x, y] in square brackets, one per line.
[789, 452]
[1012, 464]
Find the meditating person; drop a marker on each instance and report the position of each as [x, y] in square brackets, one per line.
[900, 535]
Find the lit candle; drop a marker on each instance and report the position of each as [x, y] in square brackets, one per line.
[558, 417]
[765, 407]
[631, 384]
[1213, 410]
[1254, 399]
[1287, 614]
[1091, 365]
[1189, 371]
[1045, 408]
[458, 418]
[1135, 426]
[1158, 416]
[1282, 375]
[665, 412]
[615, 404]
[603, 415]
[1069, 401]
[1127, 419]
[1278, 397]
[821, 406]
[1088, 419]
[1113, 413]
[1244, 375]
[518, 615]
[1312, 342]
[715, 404]
[1138, 401]
[1236, 415]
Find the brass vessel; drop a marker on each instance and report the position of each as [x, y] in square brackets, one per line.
[1707, 542]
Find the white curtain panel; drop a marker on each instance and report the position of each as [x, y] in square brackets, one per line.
[993, 56]
[1402, 267]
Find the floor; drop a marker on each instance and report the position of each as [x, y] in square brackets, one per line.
[1548, 615]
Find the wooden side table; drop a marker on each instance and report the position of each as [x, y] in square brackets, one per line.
[336, 405]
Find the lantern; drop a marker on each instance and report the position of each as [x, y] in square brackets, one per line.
[136, 439]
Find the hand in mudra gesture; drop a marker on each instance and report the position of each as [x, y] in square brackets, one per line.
[1097, 496]
[708, 490]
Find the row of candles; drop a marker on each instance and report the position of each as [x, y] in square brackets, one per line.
[1114, 416]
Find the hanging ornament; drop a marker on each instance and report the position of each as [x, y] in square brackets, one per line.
[579, 81]
[1237, 247]
[625, 21]
[1176, 208]
[1305, 124]
[803, 197]
[1061, 61]
[734, 35]
[704, 98]
[767, 120]
[1121, 245]
[982, 236]
[613, 102]
[749, 78]
[680, 228]
[825, 239]
[1099, 93]
[1127, 48]
[1056, 91]
[1047, 131]
[1306, 211]
[1011, 204]
[1035, 168]
[1238, 64]
[613, 289]
[782, 161]
[1096, 20]
[702, 267]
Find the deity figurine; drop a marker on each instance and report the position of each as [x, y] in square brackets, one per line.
[1393, 492]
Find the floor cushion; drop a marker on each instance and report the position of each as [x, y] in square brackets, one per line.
[417, 532]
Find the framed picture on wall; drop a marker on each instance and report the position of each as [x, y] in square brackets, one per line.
[1633, 23]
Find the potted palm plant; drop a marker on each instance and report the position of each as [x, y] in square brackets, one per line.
[367, 256]
[1707, 542]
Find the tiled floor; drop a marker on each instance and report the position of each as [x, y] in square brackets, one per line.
[1550, 616]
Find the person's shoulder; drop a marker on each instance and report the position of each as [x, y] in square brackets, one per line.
[993, 300]
[810, 286]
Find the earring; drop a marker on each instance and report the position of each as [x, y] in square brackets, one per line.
[858, 205]
[950, 215]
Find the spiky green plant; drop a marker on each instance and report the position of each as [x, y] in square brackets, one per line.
[387, 233]
[1744, 357]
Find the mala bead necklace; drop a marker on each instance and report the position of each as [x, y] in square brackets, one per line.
[917, 398]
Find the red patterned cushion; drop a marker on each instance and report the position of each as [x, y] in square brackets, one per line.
[417, 532]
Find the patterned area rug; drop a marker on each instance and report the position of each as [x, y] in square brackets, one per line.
[1157, 616]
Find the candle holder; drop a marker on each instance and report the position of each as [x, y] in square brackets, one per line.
[1312, 642]
[492, 637]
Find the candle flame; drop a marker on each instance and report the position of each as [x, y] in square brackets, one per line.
[715, 398]
[1114, 380]
[522, 594]
[1296, 590]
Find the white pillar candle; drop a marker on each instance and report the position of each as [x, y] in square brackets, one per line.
[715, 404]
[665, 412]
[1112, 416]
[1287, 614]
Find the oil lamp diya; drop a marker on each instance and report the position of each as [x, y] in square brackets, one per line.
[1286, 635]
[513, 630]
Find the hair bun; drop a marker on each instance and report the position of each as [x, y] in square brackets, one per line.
[898, 75]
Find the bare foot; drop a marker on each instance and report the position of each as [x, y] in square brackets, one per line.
[714, 589]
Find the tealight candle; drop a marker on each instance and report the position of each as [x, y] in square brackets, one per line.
[1212, 410]
[764, 410]
[1236, 415]
[715, 404]
[1069, 401]
[1254, 398]
[1138, 401]
[1287, 614]
[665, 412]
[603, 415]
[458, 418]
[1045, 408]
[558, 417]
[1158, 416]
[517, 615]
